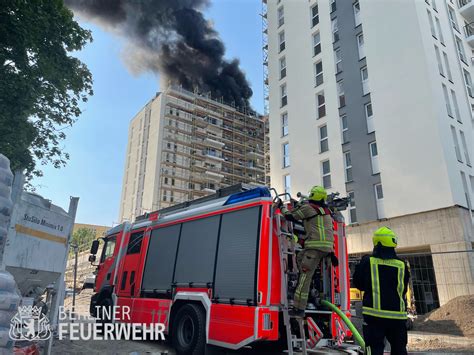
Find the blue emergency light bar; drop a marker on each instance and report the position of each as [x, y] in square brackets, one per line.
[248, 195]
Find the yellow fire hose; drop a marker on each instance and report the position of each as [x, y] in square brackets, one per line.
[346, 320]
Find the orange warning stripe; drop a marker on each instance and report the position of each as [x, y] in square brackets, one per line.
[39, 234]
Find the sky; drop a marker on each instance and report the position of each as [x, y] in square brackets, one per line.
[97, 142]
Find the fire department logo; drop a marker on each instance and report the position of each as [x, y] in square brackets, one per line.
[30, 324]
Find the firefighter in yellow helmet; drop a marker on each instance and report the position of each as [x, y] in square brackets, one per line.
[384, 278]
[318, 241]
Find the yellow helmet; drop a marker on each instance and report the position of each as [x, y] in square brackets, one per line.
[318, 193]
[386, 237]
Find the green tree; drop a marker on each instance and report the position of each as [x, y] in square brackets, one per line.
[41, 84]
[83, 238]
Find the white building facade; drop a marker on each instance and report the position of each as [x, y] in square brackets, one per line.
[374, 99]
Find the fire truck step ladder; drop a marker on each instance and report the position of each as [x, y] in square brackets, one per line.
[297, 342]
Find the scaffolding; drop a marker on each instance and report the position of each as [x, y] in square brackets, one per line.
[207, 145]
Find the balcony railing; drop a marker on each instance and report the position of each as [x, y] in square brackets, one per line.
[469, 29]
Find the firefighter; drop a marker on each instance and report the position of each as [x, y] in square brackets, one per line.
[318, 241]
[384, 278]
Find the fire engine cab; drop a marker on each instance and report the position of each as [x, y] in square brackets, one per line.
[213, 271]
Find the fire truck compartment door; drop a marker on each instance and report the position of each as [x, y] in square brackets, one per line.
[160, 260]
[237, 255]
[197, 252]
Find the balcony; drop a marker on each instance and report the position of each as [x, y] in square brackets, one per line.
[209, 155]
[213, 143]
[211, 174]
[209, 188]
[466, 9]
[469, 32]
[254, 154]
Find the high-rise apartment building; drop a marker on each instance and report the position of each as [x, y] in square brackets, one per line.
[182, 146]
[374, 99]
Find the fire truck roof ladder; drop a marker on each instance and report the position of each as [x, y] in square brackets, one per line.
[223, 192]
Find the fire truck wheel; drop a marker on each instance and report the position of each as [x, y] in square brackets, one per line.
[189, 330]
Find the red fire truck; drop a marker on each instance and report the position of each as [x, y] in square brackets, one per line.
[212, 270]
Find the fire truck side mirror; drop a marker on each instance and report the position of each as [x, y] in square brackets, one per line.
[92, 258]
[94, 248]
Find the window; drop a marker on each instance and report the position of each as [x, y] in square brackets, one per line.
[109, 248]
[365, 80]
[318, 69]
[357, 14]
[283, 95]
[338, 60]
[348, 166]
[456, 107]
[360, 44]
[378, 192]
[340, 93]
[326, 173]
[286, 155]
[447, 102]
[333, 5]
[466, 191]
[374, 155]
[352, 208]
[369, 115]
[314, 15]
[287, 183]
[323, 139]
[345, 129]
[430, 19]
[282, 67]
[281, 16]
[438, 59]
[460, 48]
[446, 64]
[456, 144]
[135, 243]
[335, 30]
[284, 124]
[468, 82]
[316, 44]
[452, 18]
[440, 31]
[464, 147]
[321, 103]
[379, 201]
[281, 39]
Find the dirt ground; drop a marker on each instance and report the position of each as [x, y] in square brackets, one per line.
[454, 318]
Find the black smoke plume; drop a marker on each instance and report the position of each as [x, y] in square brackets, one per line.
[174, 38]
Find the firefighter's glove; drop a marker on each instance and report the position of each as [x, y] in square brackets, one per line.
[295, 238]
[334, 260]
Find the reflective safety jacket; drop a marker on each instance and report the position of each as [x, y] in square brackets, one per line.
[385, 282]
[317, 223]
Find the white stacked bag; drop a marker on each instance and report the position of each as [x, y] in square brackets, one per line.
[9, 295]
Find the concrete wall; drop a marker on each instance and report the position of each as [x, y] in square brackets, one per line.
[438, 231]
